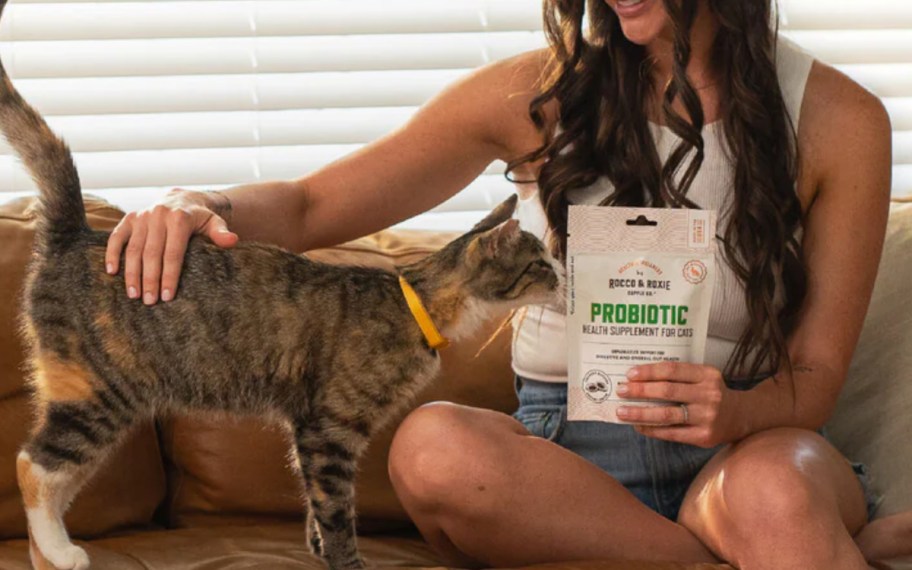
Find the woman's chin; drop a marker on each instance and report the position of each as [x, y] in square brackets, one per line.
[641, 23]
[641, 33]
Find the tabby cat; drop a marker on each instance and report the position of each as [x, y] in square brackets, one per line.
[332, 352]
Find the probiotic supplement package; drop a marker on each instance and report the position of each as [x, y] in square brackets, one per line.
[639, 290]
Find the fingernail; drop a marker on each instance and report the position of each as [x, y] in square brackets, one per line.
[131, 292]
[623, 412]
[633, 373]
[148, 298]
[110, 268]
[166, 295]
[623, 389]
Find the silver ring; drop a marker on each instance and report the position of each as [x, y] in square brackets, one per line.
[686, 414]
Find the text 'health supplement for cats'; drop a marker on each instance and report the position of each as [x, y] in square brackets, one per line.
[639, 290]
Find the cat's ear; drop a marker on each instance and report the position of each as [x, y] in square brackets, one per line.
[500, 214]
[500, 238]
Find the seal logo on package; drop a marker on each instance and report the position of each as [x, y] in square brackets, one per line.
[597, 385]
[694, 271]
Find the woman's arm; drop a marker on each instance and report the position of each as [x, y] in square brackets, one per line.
[846, 148]
[439, 151]
[844, 186]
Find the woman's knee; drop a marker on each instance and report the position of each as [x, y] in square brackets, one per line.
[441, 450]
[769, 479]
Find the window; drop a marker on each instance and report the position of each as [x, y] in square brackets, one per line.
[208, 93]
[871, 41]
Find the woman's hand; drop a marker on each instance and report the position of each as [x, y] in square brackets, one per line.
[710, 418]
[156, 240]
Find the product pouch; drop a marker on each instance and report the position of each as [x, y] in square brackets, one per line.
[639, 290]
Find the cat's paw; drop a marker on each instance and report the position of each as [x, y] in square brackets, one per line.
[352, 561]
[351, 565]
[70, 557]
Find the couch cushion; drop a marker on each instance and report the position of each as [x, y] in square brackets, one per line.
[274, 547]
[872, 421]
[226, 471]
[267, 546]
[132, 485]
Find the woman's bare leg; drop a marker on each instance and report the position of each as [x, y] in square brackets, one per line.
[481, 489]
[780, 499]
[886, 538]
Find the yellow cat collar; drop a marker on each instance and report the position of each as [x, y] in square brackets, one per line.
[434, 339]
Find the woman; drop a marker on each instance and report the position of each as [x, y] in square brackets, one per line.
[682, 103]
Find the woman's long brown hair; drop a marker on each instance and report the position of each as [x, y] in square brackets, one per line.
[603, 85]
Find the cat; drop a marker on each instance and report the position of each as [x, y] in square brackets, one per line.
[332, 352]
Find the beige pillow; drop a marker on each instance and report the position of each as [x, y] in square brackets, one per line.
[873, 420]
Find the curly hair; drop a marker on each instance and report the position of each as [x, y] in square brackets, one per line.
[603, 84]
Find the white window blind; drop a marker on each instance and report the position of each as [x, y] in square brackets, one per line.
[871, 42]
[208, 93]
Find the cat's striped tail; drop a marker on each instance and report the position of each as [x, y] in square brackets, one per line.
[47, 159]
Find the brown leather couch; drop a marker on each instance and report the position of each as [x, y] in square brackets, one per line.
[199, 492]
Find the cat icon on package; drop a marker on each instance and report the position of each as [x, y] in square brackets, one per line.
[639, 291]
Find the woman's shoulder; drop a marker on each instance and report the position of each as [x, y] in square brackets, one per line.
[840, 120]
[832, 95]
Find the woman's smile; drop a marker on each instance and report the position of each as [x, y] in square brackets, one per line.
[632, 8]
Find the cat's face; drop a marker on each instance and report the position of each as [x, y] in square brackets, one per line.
[507, 265]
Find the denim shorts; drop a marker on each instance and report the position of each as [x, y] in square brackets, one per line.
[656, 471]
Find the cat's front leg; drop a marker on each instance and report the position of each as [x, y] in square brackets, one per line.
[327, 460]
[314, 540]
[334, 512]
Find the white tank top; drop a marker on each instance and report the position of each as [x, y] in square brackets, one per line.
[539, 332]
